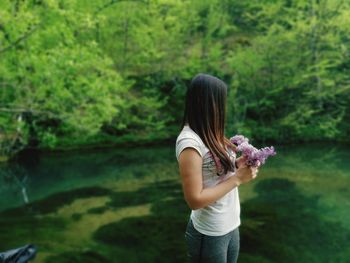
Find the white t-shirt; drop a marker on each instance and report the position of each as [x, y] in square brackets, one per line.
[223, 215]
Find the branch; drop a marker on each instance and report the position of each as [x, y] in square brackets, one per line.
[112, 2]
[6, 35]
[20, 39]
[17, 110]
[21, 110]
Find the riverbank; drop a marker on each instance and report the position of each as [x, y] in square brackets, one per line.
[99, 142]
[128, 141]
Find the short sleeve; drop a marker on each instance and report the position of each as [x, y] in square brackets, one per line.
[184, 142]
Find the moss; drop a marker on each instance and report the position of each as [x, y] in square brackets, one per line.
[97, 210]
[76, 216]
[158, 237]
[16, 231]
[150, 193]
[53, 202]
[291, 228]
[76, 256]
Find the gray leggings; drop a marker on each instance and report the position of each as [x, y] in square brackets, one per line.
[211, 249]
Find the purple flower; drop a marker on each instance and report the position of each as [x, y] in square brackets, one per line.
[254, 155]
[265, 152]
[238, 139]
[246, 149]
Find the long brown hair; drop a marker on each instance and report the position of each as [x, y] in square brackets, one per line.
[205, 114]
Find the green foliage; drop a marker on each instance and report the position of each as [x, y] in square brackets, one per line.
[78, 72]
[58, 76]
[292, 76]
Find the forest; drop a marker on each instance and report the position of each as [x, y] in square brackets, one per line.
[78, 73]
[92, 95]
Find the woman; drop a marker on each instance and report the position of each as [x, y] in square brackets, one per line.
[210, 174]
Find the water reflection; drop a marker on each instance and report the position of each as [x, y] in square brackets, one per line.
[14, 180]
[45, 174]
[128, 203]
[285, 225]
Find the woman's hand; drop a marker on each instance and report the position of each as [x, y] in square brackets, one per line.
[246, 174]
[241, 161]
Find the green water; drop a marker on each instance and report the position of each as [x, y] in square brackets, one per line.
[104, 205]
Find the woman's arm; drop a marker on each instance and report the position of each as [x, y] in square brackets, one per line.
[190, 165]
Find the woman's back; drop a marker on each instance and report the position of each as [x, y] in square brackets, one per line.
[210, 180]
[223, 215]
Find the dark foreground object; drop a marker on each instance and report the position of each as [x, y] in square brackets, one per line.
[18, 255]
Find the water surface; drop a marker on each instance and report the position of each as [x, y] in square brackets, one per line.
[106, 204]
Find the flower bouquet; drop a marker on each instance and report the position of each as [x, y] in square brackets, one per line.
[254, 157]
[250, 155]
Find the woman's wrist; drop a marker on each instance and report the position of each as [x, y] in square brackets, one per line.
[237, 181]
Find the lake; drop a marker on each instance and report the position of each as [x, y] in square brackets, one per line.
[107, 204]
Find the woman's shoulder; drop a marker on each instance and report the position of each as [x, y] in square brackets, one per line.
[187, 132]
[188, 138]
